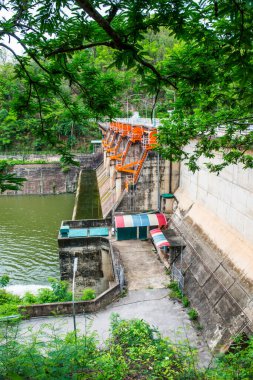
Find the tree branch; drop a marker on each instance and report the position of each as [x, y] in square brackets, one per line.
[29, 53]
[117, 39]
[155, 101]
[112, 13]
[63, 49]
[105, 25]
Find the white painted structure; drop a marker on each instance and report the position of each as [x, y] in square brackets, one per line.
[229, 195]
[222, 207]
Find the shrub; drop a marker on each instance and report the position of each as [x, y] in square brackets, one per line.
[46, 295]
[8, 309]
[29, 298]
[135, 350]
[88, 294]
[4, 280]
[60, 290]
[6, 297]
[58, 293]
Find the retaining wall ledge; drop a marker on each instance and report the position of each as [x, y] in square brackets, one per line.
[66, 308]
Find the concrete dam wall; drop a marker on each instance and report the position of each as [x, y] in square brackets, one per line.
[156, 177]
[215, 216]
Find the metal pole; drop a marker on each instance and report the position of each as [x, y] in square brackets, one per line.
[73, 293]
[127, 111]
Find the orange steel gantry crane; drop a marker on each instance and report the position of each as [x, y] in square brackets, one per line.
[147, 138]
[125, 130]
[115, 130]
[148, 141]
[135, 135]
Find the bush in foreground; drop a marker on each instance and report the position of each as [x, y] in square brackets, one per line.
[135, 350]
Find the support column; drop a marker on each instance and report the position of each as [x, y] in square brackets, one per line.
[118, 183]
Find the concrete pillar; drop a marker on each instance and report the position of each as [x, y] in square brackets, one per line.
[107, 166]
[104, 161]
[118, 185]
[112, 176]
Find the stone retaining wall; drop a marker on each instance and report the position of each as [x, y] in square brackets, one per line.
[45, 179]
[66, 308]
[87, 161]
[50, 178]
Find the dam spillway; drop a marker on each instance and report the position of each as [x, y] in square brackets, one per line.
[87, 205]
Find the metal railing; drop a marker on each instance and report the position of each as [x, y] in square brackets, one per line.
[177, 276]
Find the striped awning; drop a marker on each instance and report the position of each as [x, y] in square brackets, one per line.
[140, 220]
[159, 239]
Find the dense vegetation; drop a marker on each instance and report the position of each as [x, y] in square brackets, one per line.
[134, 350]
[76, 54]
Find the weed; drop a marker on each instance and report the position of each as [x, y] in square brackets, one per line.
[185, 301]
[175, 291]
[193, 314]
[88, 294]
[123, 293]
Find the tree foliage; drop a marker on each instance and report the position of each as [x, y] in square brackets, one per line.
[208, 66]
[8, 180]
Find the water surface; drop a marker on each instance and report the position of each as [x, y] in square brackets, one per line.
[28, 236]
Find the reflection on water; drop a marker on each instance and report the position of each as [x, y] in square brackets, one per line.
[28, 236]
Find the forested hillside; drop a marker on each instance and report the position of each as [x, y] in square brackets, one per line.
[94, 90]
[86, 60]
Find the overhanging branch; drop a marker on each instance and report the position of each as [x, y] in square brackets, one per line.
[63, 49]
[117, 39]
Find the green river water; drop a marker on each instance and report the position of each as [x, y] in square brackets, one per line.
[28, 236]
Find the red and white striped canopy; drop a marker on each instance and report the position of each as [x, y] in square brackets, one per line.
[159, 239]
[139, 220]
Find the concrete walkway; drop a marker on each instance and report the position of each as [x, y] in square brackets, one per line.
[143, 270]
[147, 299]
[152, 305]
